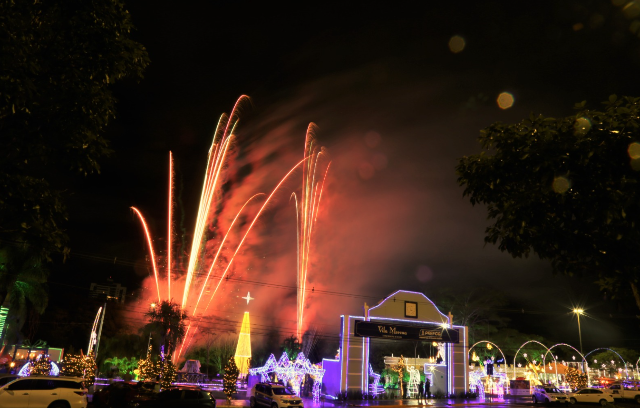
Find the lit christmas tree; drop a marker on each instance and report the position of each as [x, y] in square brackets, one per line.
[230, 377]
[168, 373]
[400, 368]
[576, 379]
[72, 366]
[147, 368]
[89, 369]
[41, 366]
[79, 366]
[243, 349]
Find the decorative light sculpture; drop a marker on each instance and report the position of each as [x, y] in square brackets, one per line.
[4, 312]
[291, 372]
[93, 337]
[26, 370]
[414, 381]
[475, 382]
[375, 388]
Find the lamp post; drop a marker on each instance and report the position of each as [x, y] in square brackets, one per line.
[578, 312]
[153, 307]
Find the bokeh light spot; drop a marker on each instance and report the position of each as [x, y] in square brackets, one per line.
[582, 126]
[424, 273]
[456, 44]
[634, 150]
[380, 161]
[366, 171]
[635, 164]
[631, 9]
[561, 185]
[372, 139]
[505, 100]
[578, 26]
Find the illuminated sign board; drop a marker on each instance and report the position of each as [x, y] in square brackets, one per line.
[430, 332]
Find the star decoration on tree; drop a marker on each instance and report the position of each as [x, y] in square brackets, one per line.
[248, 297]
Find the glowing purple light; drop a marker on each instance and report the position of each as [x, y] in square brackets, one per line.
[375, 388]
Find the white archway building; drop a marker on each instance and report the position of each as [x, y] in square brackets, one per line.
[403, 315]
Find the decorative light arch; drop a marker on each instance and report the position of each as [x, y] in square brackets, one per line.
[533, 341]
[25, 371]
[616, 353]
[494, 345]
[544, 359]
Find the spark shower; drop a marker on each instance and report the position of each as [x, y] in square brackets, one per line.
[199, 273]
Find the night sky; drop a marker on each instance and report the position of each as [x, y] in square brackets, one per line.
[396, 109]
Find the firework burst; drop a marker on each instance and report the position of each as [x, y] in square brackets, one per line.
[200, 269]
[314, 174]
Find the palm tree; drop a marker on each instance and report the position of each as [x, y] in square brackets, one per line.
[167, 321]
[23, 288]
[113, 362]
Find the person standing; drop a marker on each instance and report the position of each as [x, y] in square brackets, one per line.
[421, 391]
[427, 388]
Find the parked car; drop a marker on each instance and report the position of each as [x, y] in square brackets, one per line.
[603, 397]
[548, 393]
[44, 392]
[192, 397]
[123, 394]
[629, 390]
[7, 378]
[273, 396]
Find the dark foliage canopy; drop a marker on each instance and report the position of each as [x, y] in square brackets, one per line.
[58, 60]
[567, 190]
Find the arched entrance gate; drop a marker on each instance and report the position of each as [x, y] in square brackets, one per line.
[403, 315]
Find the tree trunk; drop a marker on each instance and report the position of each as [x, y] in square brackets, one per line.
[636, 294]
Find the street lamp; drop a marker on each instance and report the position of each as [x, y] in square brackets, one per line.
[578, 312]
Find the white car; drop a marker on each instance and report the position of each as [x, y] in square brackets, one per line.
[548, 393]
[273, 396]
[602, 397]
[626, 390]
[44, 392]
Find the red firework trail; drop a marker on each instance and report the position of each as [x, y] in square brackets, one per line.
[151, 252]
[217, 158]
[307, 209]
[169, 228]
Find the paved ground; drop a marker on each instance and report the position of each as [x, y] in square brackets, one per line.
[396, 402]
[507, 403]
